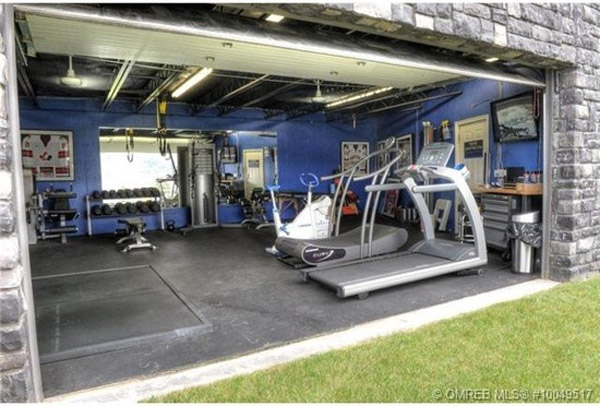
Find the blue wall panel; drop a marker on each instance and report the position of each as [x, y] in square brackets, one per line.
[304, 145]
[474, 101]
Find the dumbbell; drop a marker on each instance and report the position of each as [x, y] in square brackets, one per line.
[146, 192]
[170, 225]
[96, 210]
[130, 207]
[154, 207]
[129, 193]
[142, 206]
[106, 210]
[120, 208]
[96, 194]
[122, 193]
[155, 192]
[137, 192]
[105, 194]
[112, 194]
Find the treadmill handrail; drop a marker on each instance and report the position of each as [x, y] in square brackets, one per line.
[384, 188]
[440, 187]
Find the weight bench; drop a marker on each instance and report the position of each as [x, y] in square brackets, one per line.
[135, 227]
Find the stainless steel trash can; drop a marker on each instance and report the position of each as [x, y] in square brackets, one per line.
[523, 257]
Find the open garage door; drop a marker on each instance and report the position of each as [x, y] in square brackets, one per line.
[246, 45]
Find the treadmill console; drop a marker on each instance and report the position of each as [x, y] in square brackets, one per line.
[436, 154]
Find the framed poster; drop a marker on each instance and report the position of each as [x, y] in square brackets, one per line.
[49, 154]
[382, 159]
[404, 143]
[352, 152]
[389, 203]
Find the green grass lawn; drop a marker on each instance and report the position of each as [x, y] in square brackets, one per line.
[548, 343]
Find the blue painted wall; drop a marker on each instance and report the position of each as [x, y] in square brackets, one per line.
[474, 101]
[304, 144]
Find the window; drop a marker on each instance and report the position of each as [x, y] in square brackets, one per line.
[148, 168]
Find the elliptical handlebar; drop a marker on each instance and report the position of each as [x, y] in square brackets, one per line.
[309, 180]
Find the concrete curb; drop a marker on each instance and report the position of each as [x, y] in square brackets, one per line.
[143, 388]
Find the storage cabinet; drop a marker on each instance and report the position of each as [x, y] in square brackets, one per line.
[497, 210]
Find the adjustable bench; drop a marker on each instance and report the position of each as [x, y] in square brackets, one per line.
[135, 227]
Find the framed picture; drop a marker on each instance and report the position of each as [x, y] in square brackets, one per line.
[382, 159]
[513, 118]
[389, 203]
[404, 143]
[352, 152]
[49, 154]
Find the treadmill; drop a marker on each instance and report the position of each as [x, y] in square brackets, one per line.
[363, 242]
[427, 258]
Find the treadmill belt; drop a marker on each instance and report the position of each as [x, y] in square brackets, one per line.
[98, 311]
[375, 269]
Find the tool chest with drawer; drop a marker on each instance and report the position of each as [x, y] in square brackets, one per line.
[497, 211]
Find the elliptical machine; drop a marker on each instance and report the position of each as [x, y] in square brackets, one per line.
[313, 220]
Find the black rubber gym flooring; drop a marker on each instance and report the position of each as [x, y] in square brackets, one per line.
[123, 307]
[252, 300]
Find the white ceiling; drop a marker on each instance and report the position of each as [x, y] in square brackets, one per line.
[255, 47]
[66, 37]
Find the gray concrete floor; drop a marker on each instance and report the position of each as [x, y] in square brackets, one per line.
[252, 300]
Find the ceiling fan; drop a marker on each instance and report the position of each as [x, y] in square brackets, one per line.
[307, 95]
[71, 80]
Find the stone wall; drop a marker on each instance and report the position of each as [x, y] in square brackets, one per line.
[565, 37]
[16, 384]
[559, 36]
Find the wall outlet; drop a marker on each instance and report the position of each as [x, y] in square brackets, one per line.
[500, 173]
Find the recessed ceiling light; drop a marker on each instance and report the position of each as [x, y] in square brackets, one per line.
[490, 60]
[210, 59]
[274, 18]
[361, 63]
[191, 82]
[227, 45]
[334, 73]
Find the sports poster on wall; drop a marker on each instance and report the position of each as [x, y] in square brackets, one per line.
[352, 152]
[49, 154]
[382, 159]
[390, 203]
[404, 144]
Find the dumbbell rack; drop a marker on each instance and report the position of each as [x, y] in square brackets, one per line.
[89, 199]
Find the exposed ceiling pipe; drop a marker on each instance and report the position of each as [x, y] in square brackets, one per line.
[25, 84]
[401, 93]
[408, 103]
[267, 96]
[234, 93]
[118, 83]
[159, 90]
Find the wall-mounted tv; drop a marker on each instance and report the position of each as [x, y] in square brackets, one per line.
[513, 118]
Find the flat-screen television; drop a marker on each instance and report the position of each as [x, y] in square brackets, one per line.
[513, 118]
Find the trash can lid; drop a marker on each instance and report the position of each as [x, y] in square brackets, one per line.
[529, 217]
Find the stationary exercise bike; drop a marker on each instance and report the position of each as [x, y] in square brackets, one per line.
[311, 223]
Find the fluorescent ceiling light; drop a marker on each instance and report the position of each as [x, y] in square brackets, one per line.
[490, 60]
[274, 18]
[358, 96]
[191, 82]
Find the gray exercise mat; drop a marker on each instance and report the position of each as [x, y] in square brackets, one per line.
[98, 311]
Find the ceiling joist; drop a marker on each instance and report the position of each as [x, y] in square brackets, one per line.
[118, 83]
